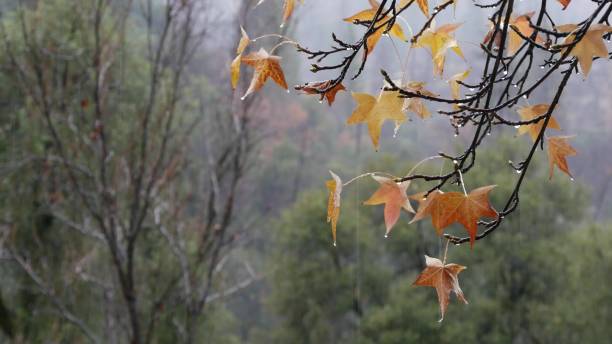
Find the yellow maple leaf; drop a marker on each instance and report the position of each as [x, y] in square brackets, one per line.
[368, 15]
[235, 65]
[591, 45]
[439, 41]
[288, 8]
[530, 112]
[374, 111]
[453, 82]
[266, 66]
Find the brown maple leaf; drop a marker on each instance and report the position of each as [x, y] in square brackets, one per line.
[558, 150]
[416, 104]
[591, 45]
[443, 277]
[334, 186]
[520, 23]
[530, 112]
[266, 66]
[393, 195]
[450, 207]
[317, 87]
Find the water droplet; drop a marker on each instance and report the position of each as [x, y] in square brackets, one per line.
[510, 161]
[456, 135]
[386, 236]
[572, 179]
[519, 171]
[525, 96]
[243, 98]
[541, 67]
[455, 162]
[282, 25]
[515, 85]
[335, 244]
[472, 89]
[320, 101]
[488, 133]
[505, 72]
[517, 126]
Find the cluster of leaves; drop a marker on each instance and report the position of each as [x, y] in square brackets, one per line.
[509, 48]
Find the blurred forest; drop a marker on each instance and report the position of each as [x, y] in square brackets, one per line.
[141, 201]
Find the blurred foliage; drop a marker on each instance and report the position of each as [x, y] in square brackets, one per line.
[538, 279]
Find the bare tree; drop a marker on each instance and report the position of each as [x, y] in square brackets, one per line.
[109, 87]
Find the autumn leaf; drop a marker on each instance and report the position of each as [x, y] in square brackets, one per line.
[530, 112]
[244, 41]
[439, 41]
[453, 82]
[424, 6]
[521, 23]
[334, 186]
[317, 87]
[393, 196]
[368, 15]
[565, 3]
[374, 111]
[448, 208]
[416, 104]
[235, 65]
[558, 150]
[443, 277]
[266, 66]
[591, 45]
[288, 8]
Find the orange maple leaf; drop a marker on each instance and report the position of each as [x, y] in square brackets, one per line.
[317, 87]
[558, 150]
[266, 66]
[443, 277]
[334, 186]
[393, 195]
[565, 3]
[448, 208]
